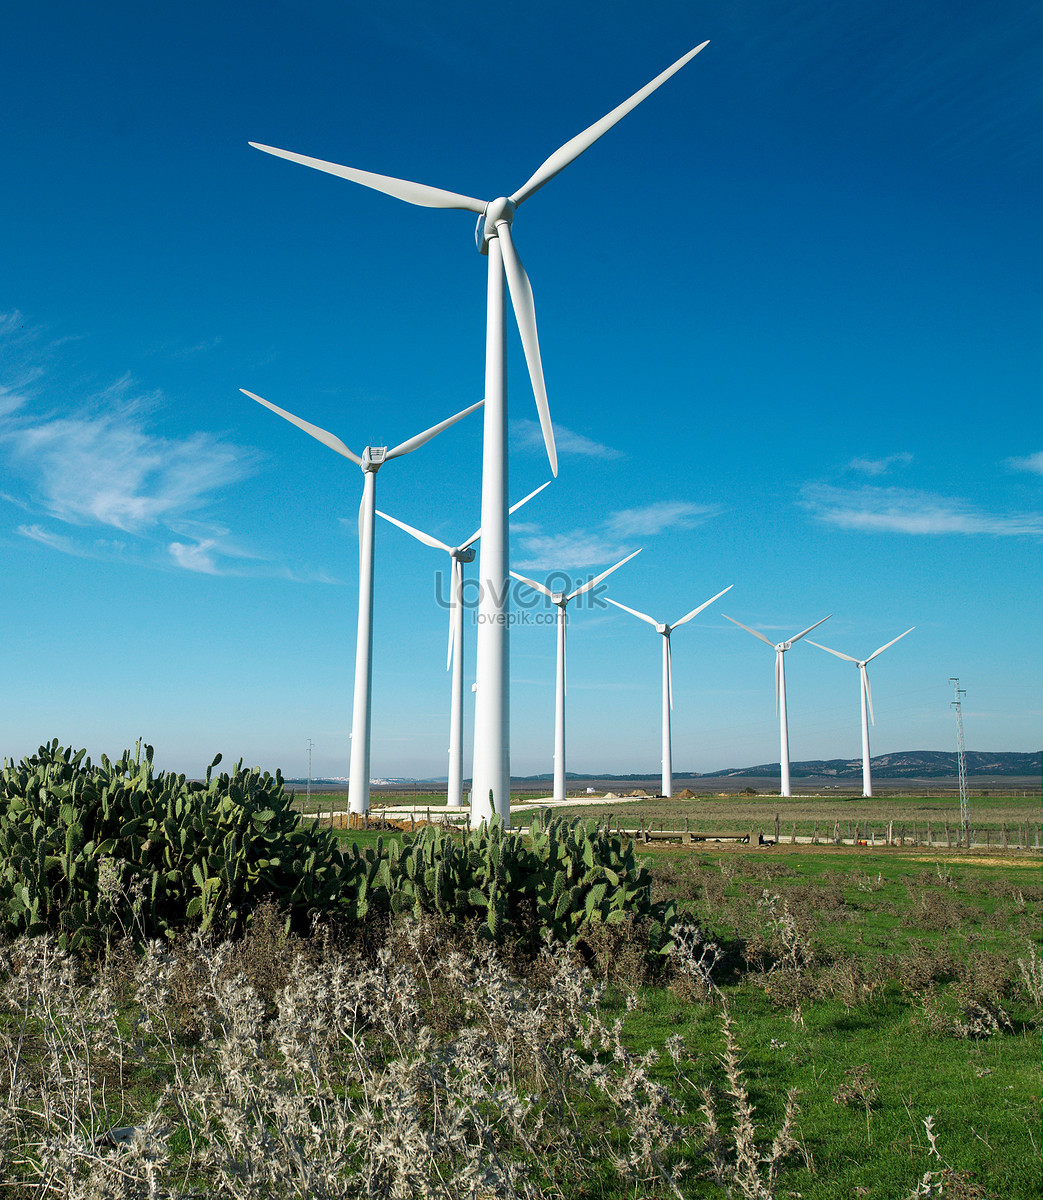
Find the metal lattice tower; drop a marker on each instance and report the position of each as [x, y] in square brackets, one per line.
[965, 816]
[310, 744]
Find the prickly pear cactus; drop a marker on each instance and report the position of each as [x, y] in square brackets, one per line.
[96, 851]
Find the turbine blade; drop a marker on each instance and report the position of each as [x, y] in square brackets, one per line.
[749, 630]
[572, 149]
[525, 500]
[525, 315]
[696, 611]
[604, 575]
[401, 189]
[670, 670]
[327, 439]
[455, 615]
[414, 442]
[836, 652]
[778, 667]
[514, 508]
[362, 507]
[633, 611]
[869, 694]
[539, 587]
[889, 644]
[808, 630]
[420, 536]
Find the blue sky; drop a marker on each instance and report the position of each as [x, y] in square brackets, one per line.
[789, 315]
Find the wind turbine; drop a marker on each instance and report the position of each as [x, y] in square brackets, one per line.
[491, 769]
[464, 553]
[867, 700]
[780, 649]
[668, 676]
[371, 460]
[562, 602]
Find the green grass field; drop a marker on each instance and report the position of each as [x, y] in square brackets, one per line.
[894, 992]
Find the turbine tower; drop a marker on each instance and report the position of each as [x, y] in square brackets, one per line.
[780, 649]
[668, 676]
[371, 460]
[867, 701]
[562, 601]
[491, 792]
[464, 553]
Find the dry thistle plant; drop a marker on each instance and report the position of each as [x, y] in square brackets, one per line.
[741, 1163]
[340, 1088]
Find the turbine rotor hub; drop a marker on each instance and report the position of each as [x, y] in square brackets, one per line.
[497, 212]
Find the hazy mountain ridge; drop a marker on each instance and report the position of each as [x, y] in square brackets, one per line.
[908, 764]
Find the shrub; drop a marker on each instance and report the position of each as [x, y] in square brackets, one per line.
[90, 852]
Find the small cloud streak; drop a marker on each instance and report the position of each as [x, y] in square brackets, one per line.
[880, 466]
[56, 541]
[654, 518]
[897, 510]
[574, 550]
[612, 540]
[1030, 462]
[527, 435]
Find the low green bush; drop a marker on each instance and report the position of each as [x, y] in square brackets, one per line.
[95, 851]
[92, 852]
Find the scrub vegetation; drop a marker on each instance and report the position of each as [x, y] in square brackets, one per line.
[755, 1022]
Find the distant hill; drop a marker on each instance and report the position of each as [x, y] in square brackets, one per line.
[909, 764]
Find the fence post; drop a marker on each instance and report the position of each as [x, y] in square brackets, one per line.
[948, 835]
[814, 836]
[793, 835]
[1003, 834]
[890, 833]
[776, 827]
[836, 833]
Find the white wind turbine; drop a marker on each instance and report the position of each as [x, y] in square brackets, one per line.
[780, 649]
[867, 700]
[491, 769]
[464, 553]
[371, 460]
[668, 676]
[562, 601]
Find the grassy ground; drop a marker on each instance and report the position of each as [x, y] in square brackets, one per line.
[866, 980]
[888, 987]
[900, 949]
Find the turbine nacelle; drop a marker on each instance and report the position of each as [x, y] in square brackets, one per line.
[559, 598]
[374, 457]
[663, 629]
[463, 554]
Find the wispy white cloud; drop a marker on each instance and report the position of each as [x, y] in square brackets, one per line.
[527, 435]
[98, 463]
[56, 541]
[880, 466]
[612, 539]
[654, 518]
[898, 510]
[568, 551]
[1030, 462]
